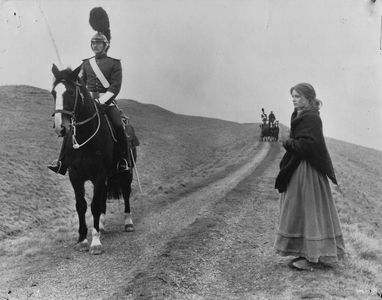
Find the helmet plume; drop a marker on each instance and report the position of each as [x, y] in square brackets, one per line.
[99, 21]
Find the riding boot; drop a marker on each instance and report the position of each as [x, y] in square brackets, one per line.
[123, 164]
[60, 166]
[132, 154]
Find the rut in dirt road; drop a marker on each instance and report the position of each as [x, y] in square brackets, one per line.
[72, 275]
[197, 262]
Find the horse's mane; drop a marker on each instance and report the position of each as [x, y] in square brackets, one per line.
[84, 90]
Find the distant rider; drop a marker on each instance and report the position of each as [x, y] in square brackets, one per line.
[264, 116]
[272, 118]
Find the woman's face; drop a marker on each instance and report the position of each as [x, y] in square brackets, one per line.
[299, 101]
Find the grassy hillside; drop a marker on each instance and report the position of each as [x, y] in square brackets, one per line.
[172, 144]
[27, 145]
[359, 172]
[31, 195]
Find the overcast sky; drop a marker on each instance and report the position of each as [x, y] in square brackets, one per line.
[216, 58]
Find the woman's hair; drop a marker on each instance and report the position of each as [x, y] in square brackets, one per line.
[307, 90]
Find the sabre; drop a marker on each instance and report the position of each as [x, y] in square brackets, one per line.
[50, 34]
[136, 170]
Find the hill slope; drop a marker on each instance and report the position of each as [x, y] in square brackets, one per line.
[27, 144]
[171, 145]
[179, 154]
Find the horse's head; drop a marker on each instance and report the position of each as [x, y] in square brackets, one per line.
[65, 93]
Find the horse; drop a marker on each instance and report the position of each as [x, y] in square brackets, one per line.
[91, 154]
[269, 132]
[265, 132]
[275, 132]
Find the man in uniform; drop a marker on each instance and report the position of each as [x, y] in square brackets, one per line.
[103, 78]
[272, 119]
[264, 116]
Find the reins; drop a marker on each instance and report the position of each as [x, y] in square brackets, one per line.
[76, 145]
[74, 123]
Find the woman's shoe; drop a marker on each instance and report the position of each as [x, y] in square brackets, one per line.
[301, 264]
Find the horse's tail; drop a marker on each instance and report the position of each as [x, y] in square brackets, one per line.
[119, 184]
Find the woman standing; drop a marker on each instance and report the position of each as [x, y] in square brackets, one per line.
[309, 226]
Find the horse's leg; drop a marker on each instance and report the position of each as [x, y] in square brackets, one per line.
[99, 198]
[102, 217]
[81, 206]
[126, 190]
[102, 222]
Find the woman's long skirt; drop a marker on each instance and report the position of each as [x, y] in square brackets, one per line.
[309, 223]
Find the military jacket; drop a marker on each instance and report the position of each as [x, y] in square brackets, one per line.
[111, 69]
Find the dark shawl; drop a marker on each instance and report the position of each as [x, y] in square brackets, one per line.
[306, 142]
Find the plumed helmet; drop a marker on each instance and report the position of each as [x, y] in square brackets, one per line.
[99, 37]
[99, 21]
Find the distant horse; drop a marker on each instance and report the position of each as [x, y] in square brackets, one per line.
[275, 132]
[268, 132]
[265, 132]
[91, 154]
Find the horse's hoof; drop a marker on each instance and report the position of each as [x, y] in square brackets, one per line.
[129, 228]
[96, 246]
[82, 246]
[96, 250]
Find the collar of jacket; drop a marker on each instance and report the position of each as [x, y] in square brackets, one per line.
[296, 117]
[103, 55]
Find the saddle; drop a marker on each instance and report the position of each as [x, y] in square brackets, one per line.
[132, 140]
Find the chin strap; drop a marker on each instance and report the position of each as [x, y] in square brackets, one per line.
[105, 97]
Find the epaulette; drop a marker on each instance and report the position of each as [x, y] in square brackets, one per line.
[117, 59]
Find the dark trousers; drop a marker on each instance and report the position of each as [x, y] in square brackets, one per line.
[114, 116]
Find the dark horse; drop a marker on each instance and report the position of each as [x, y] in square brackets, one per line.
[268, 132]
[91, 154]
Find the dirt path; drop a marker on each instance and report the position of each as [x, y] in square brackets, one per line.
[66, 274]
[211, 242]
[210, 258]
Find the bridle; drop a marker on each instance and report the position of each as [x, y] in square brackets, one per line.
[72, 114]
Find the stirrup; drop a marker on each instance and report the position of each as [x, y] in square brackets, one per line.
[56, 167]
[56, 164]
[122, 165]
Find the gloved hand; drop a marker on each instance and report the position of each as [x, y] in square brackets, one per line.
[101, 107]
[105, 97]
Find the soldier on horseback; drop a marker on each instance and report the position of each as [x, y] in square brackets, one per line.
[272, 119]
[264, 116]
[102, 76]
